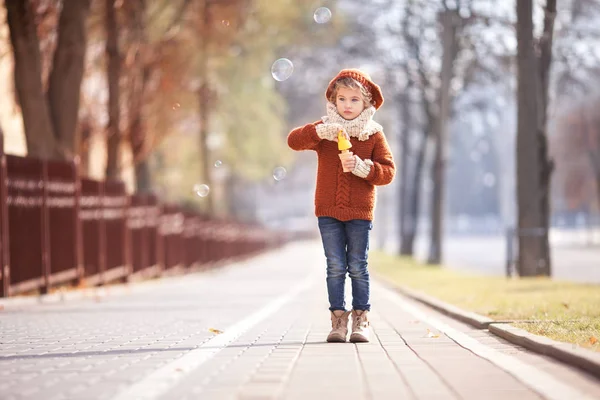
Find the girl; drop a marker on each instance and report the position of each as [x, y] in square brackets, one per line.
[344, 202]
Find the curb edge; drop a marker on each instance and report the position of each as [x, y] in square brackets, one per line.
[567, 353]
[582, 358]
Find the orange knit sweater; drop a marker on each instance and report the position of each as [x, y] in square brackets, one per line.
[343, 195]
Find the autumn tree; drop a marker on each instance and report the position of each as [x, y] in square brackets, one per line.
[420, 92]
[451, 23]
[113, 72]
[534, 168]
[576, 149]
[154, 60]
[50, 110]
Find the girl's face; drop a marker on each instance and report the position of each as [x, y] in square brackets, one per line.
[349, 102]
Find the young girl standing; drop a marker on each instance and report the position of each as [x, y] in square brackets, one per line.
[345, 201]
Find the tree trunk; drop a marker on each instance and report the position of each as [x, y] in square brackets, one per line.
[595, 160]
[84, 145]
[113, 76]
[532, 254]
[450, 21]
[405, 117]
[139, 78]
[404, 223]
[39, 134]
[204, 102]
[547, 165]
[143, 178]
[64, 82]
[414, 200]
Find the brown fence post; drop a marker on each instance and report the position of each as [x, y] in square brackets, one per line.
[128, 259]
[25, 208]
[62, 217]
[4, 247]
[114, 210]
[46, 257]
[152, 243]
[102, 237]
[78, 245]
[92, 228]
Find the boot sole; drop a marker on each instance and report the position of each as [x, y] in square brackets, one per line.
[336, 339]
[354, 338]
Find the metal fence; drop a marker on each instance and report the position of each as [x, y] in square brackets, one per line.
[58, 228]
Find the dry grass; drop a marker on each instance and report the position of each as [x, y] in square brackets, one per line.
[563, 311]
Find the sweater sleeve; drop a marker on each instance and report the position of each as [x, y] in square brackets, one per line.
[383, 169]
[304, 137]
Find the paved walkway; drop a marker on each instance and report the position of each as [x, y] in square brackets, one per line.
[255, 330]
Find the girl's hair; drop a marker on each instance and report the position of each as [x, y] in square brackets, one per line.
[350, 83]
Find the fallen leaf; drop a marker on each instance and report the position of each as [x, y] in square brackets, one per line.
[432, 335]
[565, 305]
[215, 331]
[593, 340]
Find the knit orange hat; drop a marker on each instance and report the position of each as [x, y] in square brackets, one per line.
[364, 80]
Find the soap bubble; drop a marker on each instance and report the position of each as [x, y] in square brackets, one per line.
[282, 69]
[225, 22]
[176, 106]
[279, 173]
[218, 163]
[201, 190]
[322, 15]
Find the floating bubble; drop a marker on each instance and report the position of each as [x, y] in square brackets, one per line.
[176, 106]
[201, 190]
[225, 22]
[322, 15]
[218, 163]
[279, 173]
[282, 69]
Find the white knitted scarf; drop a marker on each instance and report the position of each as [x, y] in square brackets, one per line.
[360, 127]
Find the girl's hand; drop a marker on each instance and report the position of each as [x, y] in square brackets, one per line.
[328, 131]
[343, 133]
[349, 164]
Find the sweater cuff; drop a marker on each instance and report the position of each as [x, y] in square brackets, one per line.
[362, 168]
[327, 131]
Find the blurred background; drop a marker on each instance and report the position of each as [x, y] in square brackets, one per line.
[192, 100]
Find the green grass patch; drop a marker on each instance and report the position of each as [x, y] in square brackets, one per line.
[563, 311]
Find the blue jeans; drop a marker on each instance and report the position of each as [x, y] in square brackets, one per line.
[346, 245]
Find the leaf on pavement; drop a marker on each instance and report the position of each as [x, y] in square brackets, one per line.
[432, 335]
[593, 340]
[215, 331]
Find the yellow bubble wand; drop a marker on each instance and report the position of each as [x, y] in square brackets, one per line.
[343, 145]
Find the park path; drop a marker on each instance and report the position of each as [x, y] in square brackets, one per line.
[255, 329]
